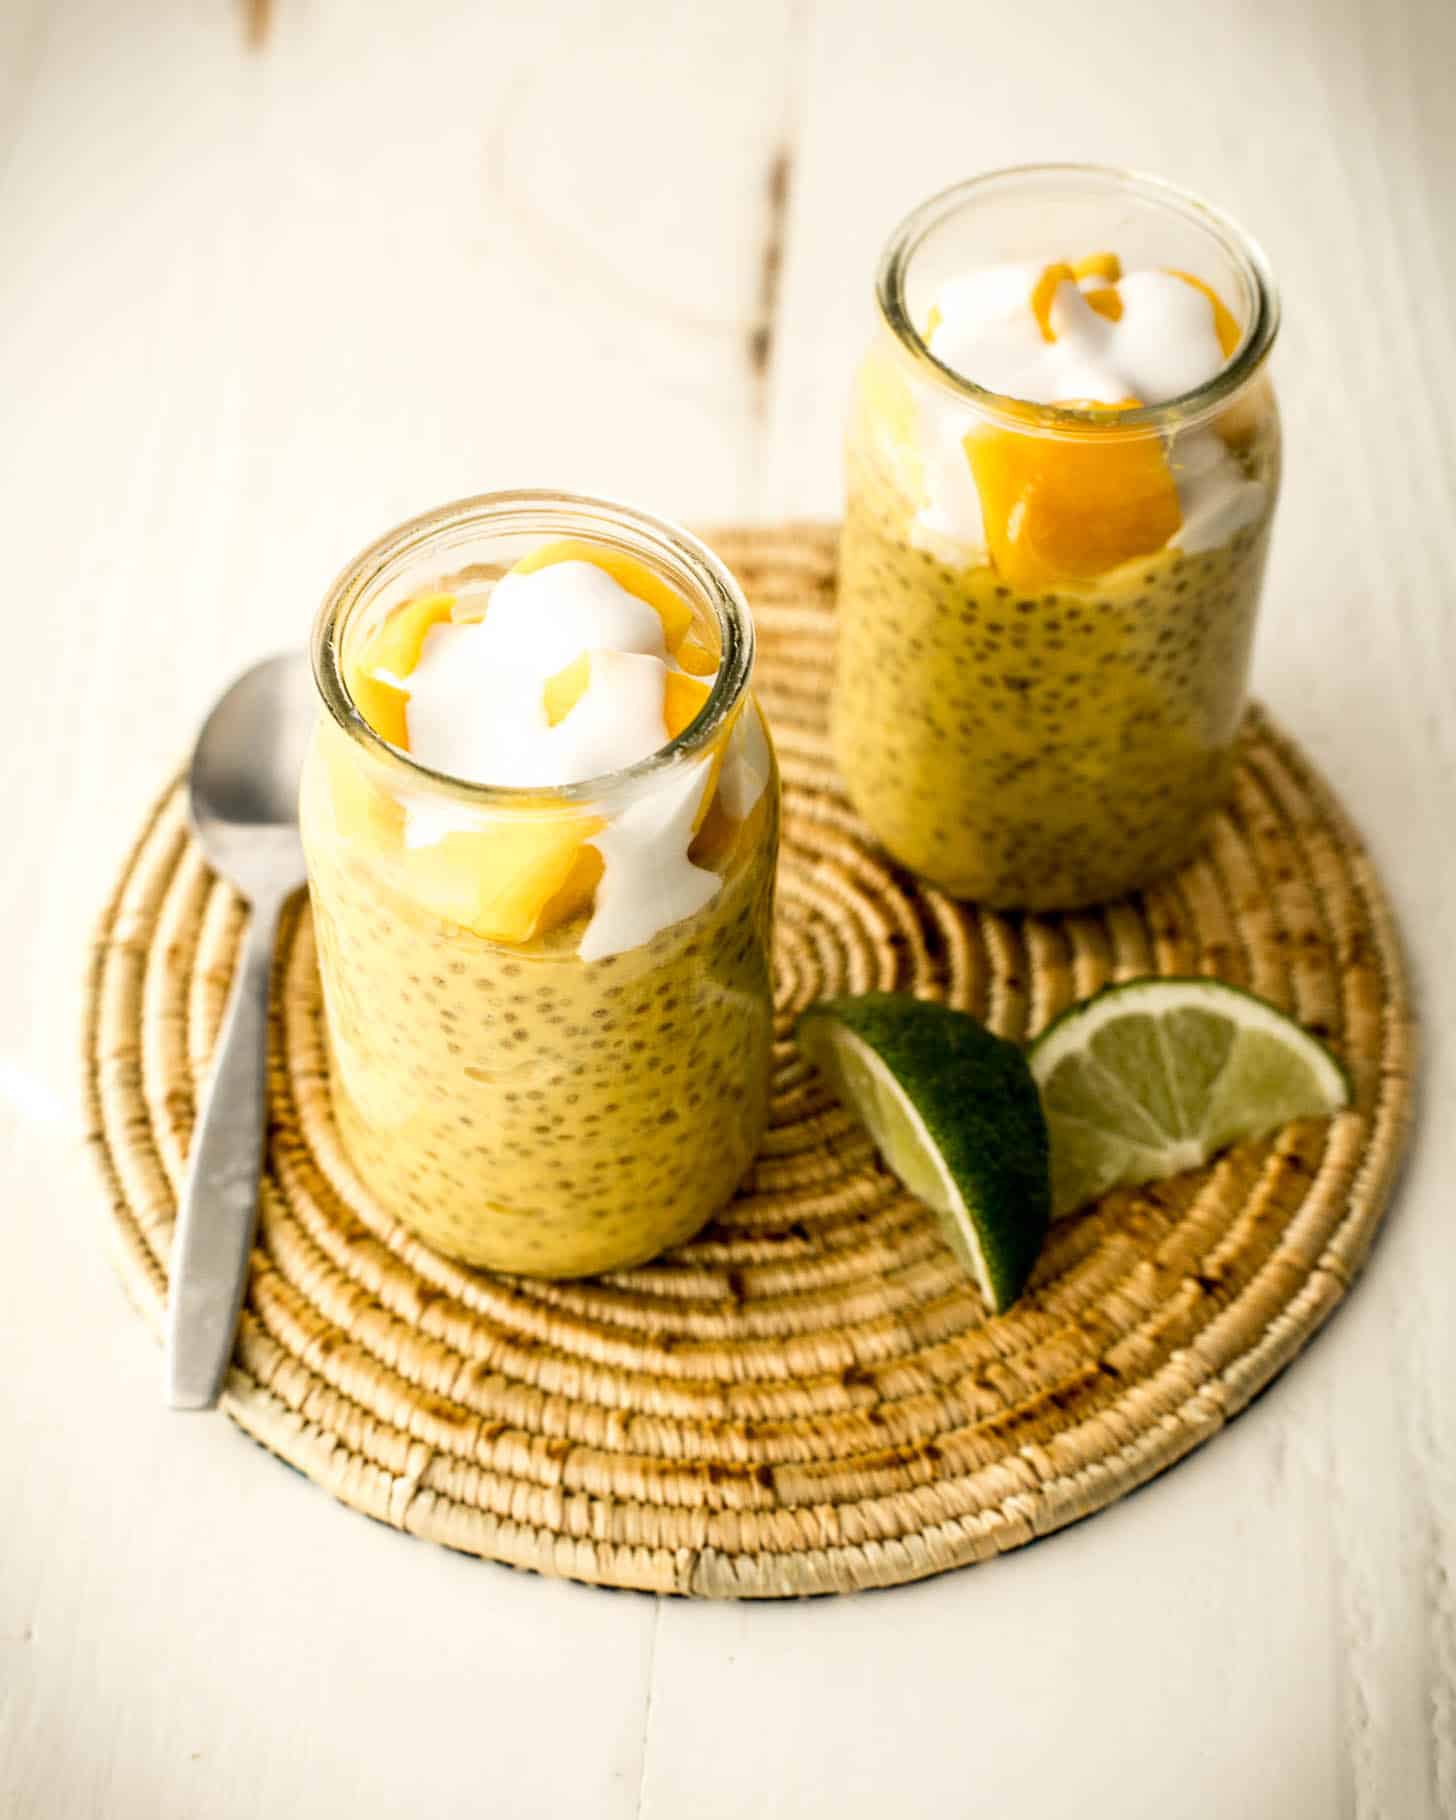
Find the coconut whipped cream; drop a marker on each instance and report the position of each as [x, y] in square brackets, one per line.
[648, 882]
[1163, 344]
[476, 710]
[476, 706]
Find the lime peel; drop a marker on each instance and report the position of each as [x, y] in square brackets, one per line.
[954, 1112]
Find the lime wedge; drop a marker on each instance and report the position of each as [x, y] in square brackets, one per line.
[1155, 1076]
[954, 1113]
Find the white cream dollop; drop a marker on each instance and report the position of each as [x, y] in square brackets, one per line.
[1164, 344]
[476, 706]
[476, 710]
[648, 882]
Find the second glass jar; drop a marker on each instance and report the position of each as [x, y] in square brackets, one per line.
[1049, 725]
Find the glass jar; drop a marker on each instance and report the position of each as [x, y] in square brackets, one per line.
[546, 1091]
[1046, 611]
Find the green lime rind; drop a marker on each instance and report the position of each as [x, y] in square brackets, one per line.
[956, 1116]
[1154, 1076]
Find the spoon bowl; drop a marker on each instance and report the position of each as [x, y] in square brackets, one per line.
[243, 784]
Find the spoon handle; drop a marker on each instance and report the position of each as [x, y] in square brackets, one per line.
[219, 1213]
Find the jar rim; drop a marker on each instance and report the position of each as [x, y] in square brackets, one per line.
[523, 512]
[1021, 414]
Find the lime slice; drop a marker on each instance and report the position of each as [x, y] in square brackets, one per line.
[954, 1113]
[1155, 1076]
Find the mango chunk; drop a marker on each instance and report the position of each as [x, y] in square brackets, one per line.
[674, 612]
[394, 646]
[576, 894]
[1043, 294]
[1225, 325]
[696, 659]
[381, 705]
[682, 702]
[1068, 509]
[531, 873]
[1107, 302]
[1106, 266]
[500, 882]
[566, 688]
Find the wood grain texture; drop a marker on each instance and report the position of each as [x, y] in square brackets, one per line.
[255, 306]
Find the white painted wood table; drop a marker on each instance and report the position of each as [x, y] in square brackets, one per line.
[258, 301]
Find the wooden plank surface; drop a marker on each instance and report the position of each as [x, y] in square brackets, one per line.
[258, 301]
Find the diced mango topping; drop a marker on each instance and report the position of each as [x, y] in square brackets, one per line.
[1224, 322]
[674, 612]
[696, 659]
[1098, 265]
[1107, 302]
[534, 869]
[1068, 509]
[501, 882]
[394, 646]
[382, 706]
[566, 688]
[507, 883]
[1043, 295]
[1105, 299]
[683, 701]
[576, 893]
[683, 698]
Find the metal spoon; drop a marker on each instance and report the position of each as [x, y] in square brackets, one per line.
[243, 804]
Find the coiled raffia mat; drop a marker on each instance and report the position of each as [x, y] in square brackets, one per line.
[809, 1398]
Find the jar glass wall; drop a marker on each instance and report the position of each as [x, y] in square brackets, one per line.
[1046, 611]
[549, 1028]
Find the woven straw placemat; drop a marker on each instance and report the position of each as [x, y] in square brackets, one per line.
[810, 1397]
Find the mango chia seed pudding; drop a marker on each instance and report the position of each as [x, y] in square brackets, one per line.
[540, 813]
[1063, 460]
